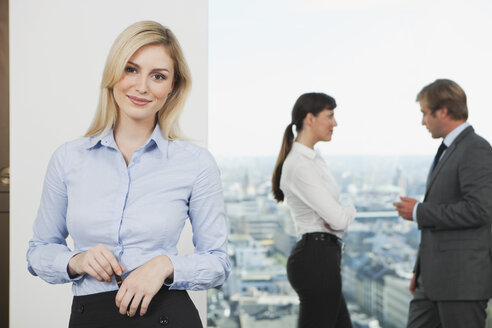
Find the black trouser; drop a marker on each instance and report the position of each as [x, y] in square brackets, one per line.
[313, 270]
[168, 308]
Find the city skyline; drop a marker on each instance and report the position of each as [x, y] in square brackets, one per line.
[373, 57]
[262, 233]
[380, 246]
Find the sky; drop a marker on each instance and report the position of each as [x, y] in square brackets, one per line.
[372, 56]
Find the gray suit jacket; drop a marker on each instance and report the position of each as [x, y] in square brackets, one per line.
[455, 219]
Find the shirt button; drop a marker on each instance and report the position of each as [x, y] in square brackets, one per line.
[80, 309]
[163, 320]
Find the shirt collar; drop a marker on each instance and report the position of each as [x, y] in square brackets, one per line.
[448, 140]
[106, 138]
[304, 150]
[161, 142]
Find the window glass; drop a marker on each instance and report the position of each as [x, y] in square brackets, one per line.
[373, 57]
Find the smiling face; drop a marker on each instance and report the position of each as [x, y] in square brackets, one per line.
[145, 84]
[322, 125]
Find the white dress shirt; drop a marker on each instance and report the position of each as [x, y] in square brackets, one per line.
[312, 193]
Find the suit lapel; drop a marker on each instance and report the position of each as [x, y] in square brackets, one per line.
[440, 164]
[449, 152]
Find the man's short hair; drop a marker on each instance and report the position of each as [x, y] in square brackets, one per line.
[445, 93]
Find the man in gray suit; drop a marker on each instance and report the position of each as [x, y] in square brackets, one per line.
[452, 279]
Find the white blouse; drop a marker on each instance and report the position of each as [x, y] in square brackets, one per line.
[312, 193]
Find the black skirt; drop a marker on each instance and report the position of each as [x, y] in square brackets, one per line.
[168, 308]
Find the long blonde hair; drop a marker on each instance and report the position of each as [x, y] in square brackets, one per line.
[128, 42]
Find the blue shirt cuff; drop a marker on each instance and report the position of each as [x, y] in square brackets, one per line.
[179, 280]
[61, 265]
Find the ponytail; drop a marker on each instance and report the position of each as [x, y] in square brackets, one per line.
[307, 103]
[287, 142]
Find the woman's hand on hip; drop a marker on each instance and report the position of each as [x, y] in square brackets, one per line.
[97, 262]
[142, 284]
[326, 225]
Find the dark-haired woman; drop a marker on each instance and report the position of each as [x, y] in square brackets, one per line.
[302, 177]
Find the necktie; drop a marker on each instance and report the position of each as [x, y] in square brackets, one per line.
[441, 149]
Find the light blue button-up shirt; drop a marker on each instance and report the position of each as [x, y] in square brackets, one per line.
[137, 211]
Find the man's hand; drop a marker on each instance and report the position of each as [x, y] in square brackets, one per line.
[412, 284]
[405, 207]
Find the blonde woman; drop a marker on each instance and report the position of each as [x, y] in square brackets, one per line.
[302, 177]
[124, 192]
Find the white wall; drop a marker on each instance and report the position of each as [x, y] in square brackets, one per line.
[58, 50]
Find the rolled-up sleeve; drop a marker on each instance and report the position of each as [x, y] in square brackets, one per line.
[209, 265]
[48, 254]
